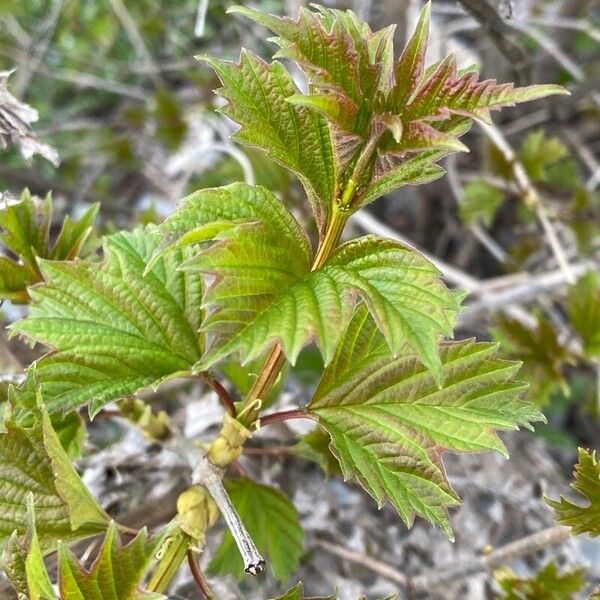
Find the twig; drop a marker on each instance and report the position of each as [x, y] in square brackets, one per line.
[285, 415]
[135, 38]
[221, 392]
[503, 555]
[198, 575]
[25, 74]
[381, 568]
[206, 474]
[530, 195]
[456, 571]
[201, 18]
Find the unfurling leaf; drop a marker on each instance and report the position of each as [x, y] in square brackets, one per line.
[389, 421]
[113, 330]
[33, 462]
[410, 112]
[272, 522]
[583, 519]
[25, 232]
[547, 584]
[264, 291]
[117, 572]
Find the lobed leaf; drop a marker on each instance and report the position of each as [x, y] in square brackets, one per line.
[113, 330]
[293, 136]
[34, 463]
[389, 421]
[116, 574]
[25, 232]
[272, 522]
[263, 290]
[583, 519]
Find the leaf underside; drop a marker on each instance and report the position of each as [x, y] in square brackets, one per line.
[390, 422]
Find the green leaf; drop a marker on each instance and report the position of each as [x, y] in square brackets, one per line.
[584, 312]
[481, 202]
[583, 519]
[26, 233]
[117, 572]
[547, 584]
[334, 48]
[297, 593]
[389, 421]
[263, 290]
[539, 152]
[544, 357]
[293, 136]
[113, 330]
[34, 462]
[272, 522]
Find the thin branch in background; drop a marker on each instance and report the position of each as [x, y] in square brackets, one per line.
[530, 544]
[482, 236]
[503, 35]
[201, 18]
[137, 41]
[530, 195]
[28, 70]
[587, 157]
[459, 570]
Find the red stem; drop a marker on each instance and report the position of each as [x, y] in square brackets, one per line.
[198, 575]
[285, 415]
[220, 390]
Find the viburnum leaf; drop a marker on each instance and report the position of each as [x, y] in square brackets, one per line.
[34, 462]
[584, 312]
[583, 519]
[297, 593]
[407, 110]
[293, 136]
[113, 330]
[272, 522]
[25, 232]
[389, 420]
[480, 203]
[263, 290]
[117, 572]
[548, 584]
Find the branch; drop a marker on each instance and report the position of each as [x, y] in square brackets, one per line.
[455, 572]
[503, 555]
[530, 195]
